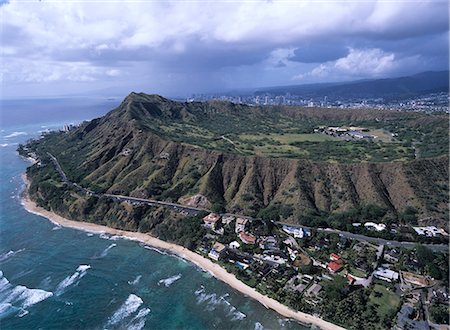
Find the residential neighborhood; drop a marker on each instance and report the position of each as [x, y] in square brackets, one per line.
[302, 264]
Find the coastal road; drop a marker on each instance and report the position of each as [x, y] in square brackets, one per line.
[375, 240]
[190, 210]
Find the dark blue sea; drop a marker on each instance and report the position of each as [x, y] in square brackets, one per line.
[58, 278]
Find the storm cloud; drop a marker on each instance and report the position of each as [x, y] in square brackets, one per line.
[181, 47]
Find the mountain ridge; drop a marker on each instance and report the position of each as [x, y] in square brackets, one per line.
[123, 153]
[400, 87]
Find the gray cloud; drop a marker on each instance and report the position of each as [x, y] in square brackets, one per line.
[177, 46]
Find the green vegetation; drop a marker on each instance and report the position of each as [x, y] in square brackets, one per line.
[439, 313]
[288, 131]
[385, 302]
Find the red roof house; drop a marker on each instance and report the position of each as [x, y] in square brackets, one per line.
[247, 238]
[335, 266]
[335, 257]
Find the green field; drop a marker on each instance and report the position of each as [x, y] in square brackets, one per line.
[385, 301]
[288, 137]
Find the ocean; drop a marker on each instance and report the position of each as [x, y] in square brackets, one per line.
[59, 278]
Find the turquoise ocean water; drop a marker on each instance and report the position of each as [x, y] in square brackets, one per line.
[58, 278]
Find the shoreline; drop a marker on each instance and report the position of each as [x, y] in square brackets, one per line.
[205, 264]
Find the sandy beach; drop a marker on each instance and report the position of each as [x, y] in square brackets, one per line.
[206, 264]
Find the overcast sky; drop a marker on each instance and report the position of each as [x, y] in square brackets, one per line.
[181, 47]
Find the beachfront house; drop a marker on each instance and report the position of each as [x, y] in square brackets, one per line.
[211, 219]
[217, 251]
[312, 294]
[240, 224]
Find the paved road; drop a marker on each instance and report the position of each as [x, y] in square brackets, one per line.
[190, 210]
[376, 240]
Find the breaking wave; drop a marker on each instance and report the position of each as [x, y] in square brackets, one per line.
[154, 249]
[213, 301]
[105, 252]
[130, 307]
[110, 238]
[72, 279]
[9, 254]
[135, 281]
[15, 299]
[258, 326]
[170, 280]
[14, 134]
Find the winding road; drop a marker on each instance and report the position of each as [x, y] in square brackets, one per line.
[190, 210]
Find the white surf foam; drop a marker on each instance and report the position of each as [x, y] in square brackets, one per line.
[109, 237]
[138, 322]
[258, 326]
[130, 306]
[4, 145]
[14, 134]
[213, 301]
[9, 254]
[155, 249]
[72, 279]
[15, 299]
[135, 281]
[105, 251]
[170, 280]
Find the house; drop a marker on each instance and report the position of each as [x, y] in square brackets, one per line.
[314, 290]
[335, 266]
[217, 251]
[375, 226]
[247, 238]
[359, 135]
[386, 275]
[406, 319]
[392, 256]
[335, 257]
[234, 245]
[227, 219]
[297, 232]
[211, 219]
[273, 259]
[265, 269]
[351, 279]
[240, 224]
[312, 294]
[429, 231]
[268, 242]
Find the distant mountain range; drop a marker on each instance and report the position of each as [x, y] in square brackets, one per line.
[389, 88]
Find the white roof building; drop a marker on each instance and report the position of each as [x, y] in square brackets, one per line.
[386, 275]
[429, 231]
[376, 226]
